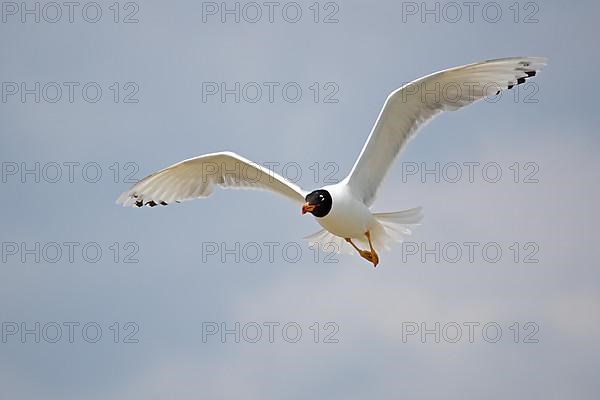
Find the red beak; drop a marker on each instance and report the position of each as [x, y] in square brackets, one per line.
[307, 207]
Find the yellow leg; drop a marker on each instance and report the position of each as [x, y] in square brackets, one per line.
[353, 245]
[370, 256]
[374, 255]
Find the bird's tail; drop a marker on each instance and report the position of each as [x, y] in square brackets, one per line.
[396, 226]
[392, 227]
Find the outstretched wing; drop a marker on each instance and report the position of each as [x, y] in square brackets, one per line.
[408, 108]
[197, 177]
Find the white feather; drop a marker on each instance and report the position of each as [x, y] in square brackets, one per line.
[408, 108]
[196, 178]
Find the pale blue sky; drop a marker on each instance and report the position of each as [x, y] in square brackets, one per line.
[170, 292]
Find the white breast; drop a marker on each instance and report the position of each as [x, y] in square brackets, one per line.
[348, 218]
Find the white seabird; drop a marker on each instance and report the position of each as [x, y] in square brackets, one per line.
[343, 209]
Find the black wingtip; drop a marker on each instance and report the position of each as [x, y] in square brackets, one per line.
[522, 80]
[140, 202]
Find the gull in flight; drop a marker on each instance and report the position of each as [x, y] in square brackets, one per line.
[343, 209]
